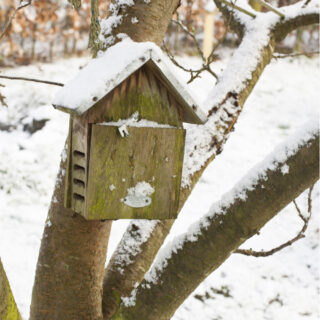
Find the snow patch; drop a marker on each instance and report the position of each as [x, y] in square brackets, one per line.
[131, 242]
[133, 121]
[134, 20]
[285, 169]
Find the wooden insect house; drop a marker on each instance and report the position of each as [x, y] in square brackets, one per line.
[126, 138]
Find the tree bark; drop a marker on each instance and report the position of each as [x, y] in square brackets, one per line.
[153, 18]
[69, 275]
[8, 307]
[220, 234]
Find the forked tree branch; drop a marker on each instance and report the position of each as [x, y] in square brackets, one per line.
[119, 277]
[240, 214]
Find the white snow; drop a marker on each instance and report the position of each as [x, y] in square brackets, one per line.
[104, 73]
[285, 98]
[134, 121]
[275, 160]
[140, 231]
[285, 169]
[134, 20]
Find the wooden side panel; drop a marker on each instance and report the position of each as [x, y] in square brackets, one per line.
[150, 155]
[68, 184]
[79, 163]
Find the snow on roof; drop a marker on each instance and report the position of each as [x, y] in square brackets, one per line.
[106, 72]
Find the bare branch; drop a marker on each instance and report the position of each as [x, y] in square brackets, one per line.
[233, 6]
[22, 5]
[291, 55]
[33, 80]
[271, 8]
[300, 235]
[205, 64]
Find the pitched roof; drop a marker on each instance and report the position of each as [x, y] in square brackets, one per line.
[106, 72]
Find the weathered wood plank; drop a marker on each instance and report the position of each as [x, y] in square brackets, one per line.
[68, 185]
[151, 155]
[141, 92]
[8, 307]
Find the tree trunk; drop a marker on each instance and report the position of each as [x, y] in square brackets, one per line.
[69, 275]
[8, 307]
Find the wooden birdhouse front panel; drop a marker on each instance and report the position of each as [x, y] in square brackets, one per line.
[134, 177]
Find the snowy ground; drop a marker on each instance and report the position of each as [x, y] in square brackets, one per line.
[284, 286]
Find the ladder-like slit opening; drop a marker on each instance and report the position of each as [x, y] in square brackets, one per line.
[78, 153]
[78, 196]
[79, 168]
[79, 183]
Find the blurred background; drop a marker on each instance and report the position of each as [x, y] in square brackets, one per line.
[50, 29]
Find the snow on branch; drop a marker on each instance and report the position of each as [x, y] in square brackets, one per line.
[235, 83]
[300, 235]
[117, 10]
[222, 225]
[248, 183]
[131, 243]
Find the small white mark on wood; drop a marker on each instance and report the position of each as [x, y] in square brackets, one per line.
[138, 196]
[134, 20]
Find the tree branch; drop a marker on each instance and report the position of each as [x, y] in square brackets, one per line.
[292, 55]
[233, 6]
[300, 235]
[190, 258]
[33, 80]
[21, 5]
[271, 8]
[229, 94]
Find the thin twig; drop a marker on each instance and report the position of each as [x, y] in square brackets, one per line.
[33, 80]
[230, 4]
[205, 64]
[191, 34]
[21, 6]
[300, 235]
[271, 8]
[307, 54]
